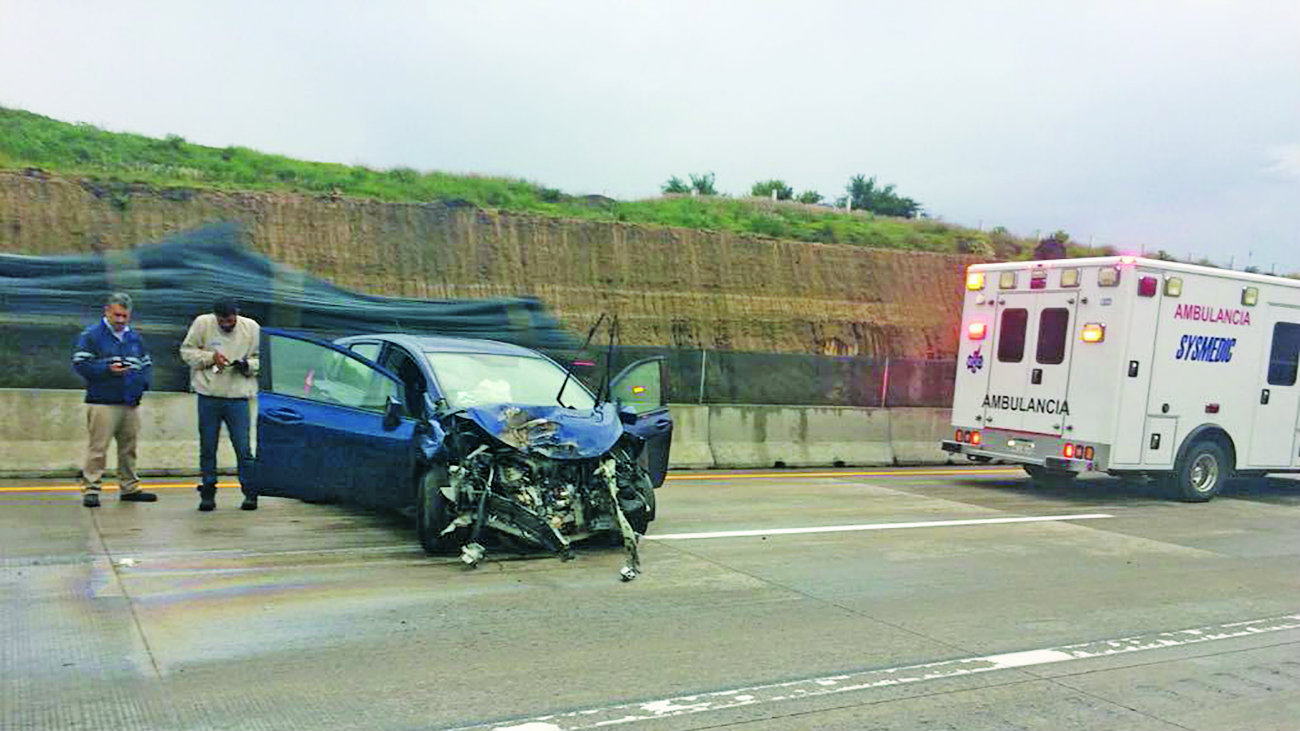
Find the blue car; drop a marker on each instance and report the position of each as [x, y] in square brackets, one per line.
[491, 444]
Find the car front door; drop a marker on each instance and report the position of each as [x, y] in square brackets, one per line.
[327, 429]
[643, 386]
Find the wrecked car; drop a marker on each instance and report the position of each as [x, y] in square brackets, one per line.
[487, 444]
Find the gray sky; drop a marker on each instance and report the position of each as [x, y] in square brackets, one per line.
[1169, 124]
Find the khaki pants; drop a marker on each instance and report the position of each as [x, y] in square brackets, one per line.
[104, 423]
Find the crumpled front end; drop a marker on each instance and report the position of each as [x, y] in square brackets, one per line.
[542, 478]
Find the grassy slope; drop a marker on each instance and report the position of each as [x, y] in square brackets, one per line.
[31, 140]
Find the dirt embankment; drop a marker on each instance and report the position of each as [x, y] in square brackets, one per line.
[670, 287]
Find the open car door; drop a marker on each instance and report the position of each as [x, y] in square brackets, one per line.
[330, 425]
[643, 386]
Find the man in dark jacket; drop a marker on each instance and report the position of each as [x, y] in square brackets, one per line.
[110, 356]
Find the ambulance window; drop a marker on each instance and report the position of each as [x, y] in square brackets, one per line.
[1053, 330]
[1011, 335]
[1285, 355]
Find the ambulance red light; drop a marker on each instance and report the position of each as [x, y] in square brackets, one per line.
[976, 330]
[975, 438]
[1148, 286]
[1068, 451]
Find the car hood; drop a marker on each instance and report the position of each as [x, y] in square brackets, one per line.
[551, 431]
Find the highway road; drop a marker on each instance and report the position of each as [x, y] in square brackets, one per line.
[922, 598]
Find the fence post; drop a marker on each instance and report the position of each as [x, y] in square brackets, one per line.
[884, 386]
[704, 359]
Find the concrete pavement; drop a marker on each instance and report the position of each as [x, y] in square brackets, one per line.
[149, 616]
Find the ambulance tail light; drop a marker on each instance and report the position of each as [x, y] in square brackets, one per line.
[1068, 451]
[1089, 453]
[960, 436]
[1093, 332]
[974, 281]
[976, 330]
[975, 438]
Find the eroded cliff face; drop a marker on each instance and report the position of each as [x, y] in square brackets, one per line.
[670, 287]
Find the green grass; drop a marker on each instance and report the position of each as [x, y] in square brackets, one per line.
[82, 150]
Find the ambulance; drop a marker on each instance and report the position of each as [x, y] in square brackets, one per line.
[1131, 367]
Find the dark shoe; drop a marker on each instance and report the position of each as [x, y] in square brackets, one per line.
[90, 499]
[250, 503]
[139, 496]
[207, 498]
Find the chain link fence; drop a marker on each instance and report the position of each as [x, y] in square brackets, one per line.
[788, 379]
[38, 355]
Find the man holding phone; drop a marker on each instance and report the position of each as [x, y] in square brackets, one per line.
[221, 349]
[111, 358]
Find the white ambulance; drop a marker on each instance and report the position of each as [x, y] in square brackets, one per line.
[1129, 366]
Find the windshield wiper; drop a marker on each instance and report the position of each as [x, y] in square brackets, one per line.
[569, 373]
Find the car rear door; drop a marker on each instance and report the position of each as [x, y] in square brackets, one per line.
[322, 431]
[643, 386]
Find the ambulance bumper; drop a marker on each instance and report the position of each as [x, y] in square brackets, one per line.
[1058, 464]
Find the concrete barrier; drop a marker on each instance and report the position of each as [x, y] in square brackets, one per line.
[803, 436]
[915, 434]
[43, 433]
[690, 448]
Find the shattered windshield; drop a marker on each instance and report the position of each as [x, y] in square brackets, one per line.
[477, 379]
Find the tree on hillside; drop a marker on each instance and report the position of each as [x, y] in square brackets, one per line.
[675, 185]
[766, 189]
[1051, 247]
[810, 197]
[865, 195]
[703, 184]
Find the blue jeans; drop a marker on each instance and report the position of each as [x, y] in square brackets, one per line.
[234, 412]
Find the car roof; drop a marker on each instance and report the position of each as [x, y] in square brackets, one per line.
[442, 344]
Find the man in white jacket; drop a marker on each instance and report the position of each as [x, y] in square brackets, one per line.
[221, 349]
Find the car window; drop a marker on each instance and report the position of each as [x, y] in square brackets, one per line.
[1053, 332]
[640, 387]
[1284, 356]
[370, 351]
[312, 371]
[477, 379]
[1011, 335]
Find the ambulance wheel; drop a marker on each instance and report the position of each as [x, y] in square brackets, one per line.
[1200, 474]
[1044, 477]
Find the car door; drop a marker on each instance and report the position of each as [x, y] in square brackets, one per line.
[325, 428]
[643, 386]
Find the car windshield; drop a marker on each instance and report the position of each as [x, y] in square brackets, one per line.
[477, 379]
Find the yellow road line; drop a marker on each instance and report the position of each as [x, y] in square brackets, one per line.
[721, 477]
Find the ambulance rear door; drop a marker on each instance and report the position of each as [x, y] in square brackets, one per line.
[1030, 365]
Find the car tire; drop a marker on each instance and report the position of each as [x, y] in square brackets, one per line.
[1201, 472]
[1044, 477]
[432, 513]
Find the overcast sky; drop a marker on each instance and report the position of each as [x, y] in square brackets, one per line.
[1166, 125]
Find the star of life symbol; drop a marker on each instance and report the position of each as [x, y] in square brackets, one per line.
[975, 361]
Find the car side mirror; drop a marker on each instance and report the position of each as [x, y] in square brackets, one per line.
[430, 406]
[627, 414]
[392, 413]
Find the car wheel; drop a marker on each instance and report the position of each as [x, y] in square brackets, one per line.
[1200, 474]
[432, 513]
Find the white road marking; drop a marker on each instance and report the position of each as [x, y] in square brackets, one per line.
[870, 526]
[813, 687]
